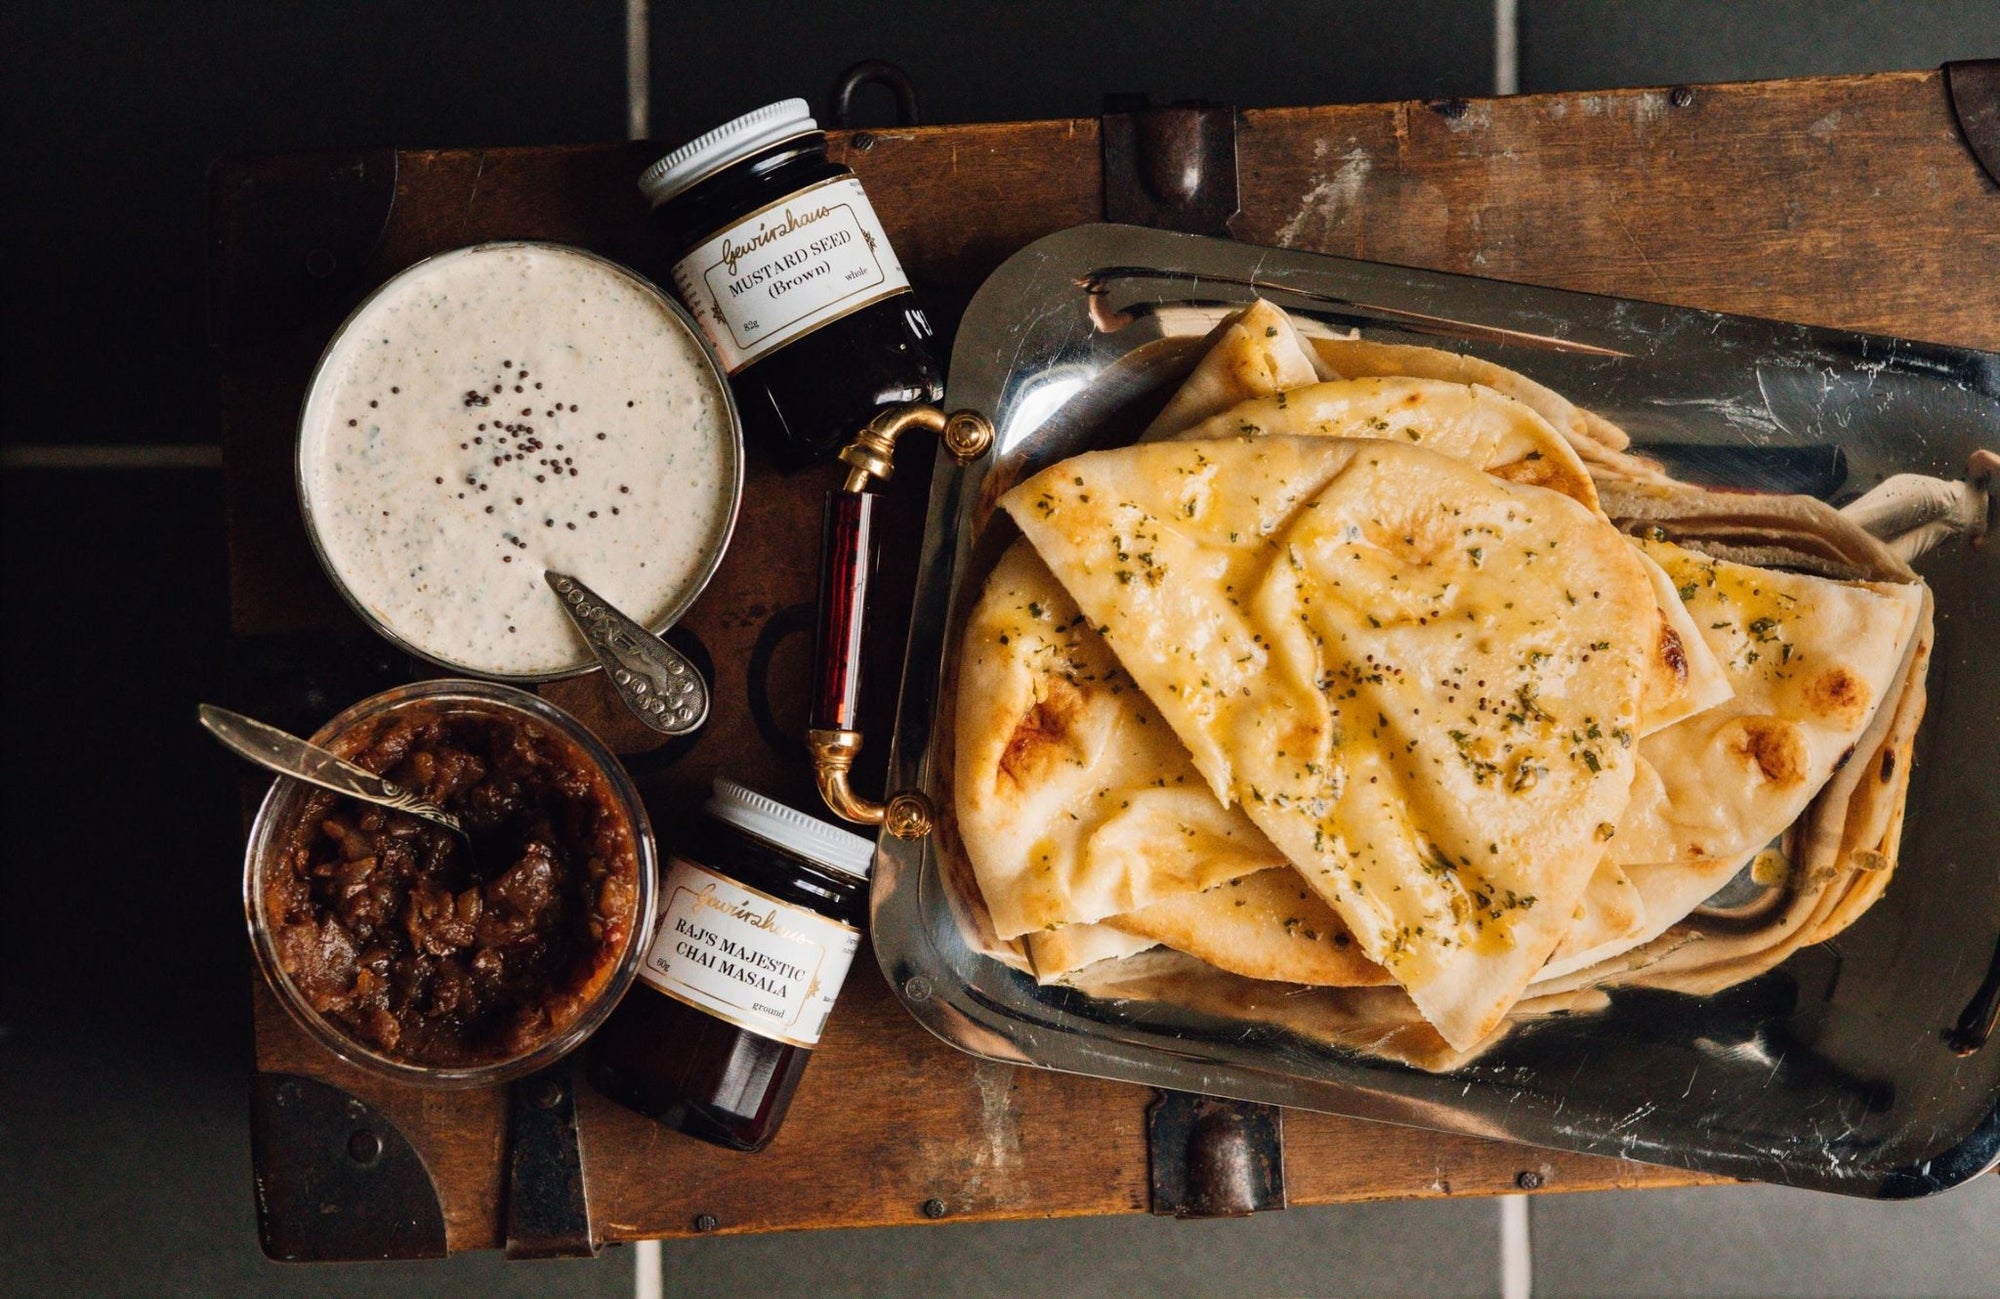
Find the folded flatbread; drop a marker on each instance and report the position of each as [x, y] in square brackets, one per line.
[1827, 692]
[1017, 685]
[1254, 353]
[1268, 925]
[1293, 629]
[1726, 756]
[1465, 421]
[1597, 440]
[1058, 954]
[1075, 800]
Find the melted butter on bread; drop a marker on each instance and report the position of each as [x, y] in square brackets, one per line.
[1419, 681]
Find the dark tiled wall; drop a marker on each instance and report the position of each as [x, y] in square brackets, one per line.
[113, 111]
[1590, 44]
[1058, 58]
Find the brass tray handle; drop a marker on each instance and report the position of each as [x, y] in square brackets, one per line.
[846, 548]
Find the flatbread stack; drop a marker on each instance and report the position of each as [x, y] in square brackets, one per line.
[1388, 674]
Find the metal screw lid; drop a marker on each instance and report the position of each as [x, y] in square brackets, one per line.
[789, 828]
[706, 154]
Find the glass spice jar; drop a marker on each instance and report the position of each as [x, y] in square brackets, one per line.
[780, 257]
[761, 909]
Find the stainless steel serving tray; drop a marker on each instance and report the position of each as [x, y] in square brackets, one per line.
[1836, 1070]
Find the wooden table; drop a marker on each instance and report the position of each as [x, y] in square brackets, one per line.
[1849, 201]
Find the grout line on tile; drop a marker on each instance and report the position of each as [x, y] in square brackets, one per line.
[648, 1275]
[1517, 1257]
[1506, 48]
[111, 457]
[649, 1272]
[638, 70]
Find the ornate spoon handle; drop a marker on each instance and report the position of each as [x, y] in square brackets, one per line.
[288, 755]
[655, 680]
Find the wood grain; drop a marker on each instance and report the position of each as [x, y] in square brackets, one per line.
[1837, 201]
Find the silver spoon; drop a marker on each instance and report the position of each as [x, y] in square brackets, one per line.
[655, 680]
[288, 755]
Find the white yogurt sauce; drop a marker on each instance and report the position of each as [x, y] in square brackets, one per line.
[499, 411]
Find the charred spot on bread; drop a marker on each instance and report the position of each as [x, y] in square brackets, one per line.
[1837, 693]
[1043, 730]
[1774, 745]
[1673, 653]
[1538, 470]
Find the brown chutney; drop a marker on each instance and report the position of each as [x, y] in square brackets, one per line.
[392, 932]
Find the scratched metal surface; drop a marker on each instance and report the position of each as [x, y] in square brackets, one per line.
[1831, 1071]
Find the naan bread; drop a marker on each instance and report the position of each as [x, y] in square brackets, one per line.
[1051, 728]
[1507, 438]
[1378, 1021]
[1254, 353]
[1610, 911]
[1597, 440]
[1137, 840]
[1280, 624]
[1249, 921]
[1810, 662]
[1269, 925]
[1058, 954]
[1221, 925]
[1838, 871]
[1683, 676]
[1484, 427]
[1074, 800]
[1465, 421]
[1358, 358]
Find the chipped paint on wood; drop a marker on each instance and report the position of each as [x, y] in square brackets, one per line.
[1330, 201]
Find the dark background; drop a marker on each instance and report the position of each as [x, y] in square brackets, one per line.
[124, 1020]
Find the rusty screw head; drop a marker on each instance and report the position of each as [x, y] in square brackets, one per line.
[1529, 1180]
[917, 988]
[934, 1208]
[364, 1147]
[705, 1223]
[1682, 97]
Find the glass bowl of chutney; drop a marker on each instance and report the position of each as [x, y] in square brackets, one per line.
[447, 961]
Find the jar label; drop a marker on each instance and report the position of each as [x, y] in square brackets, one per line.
[787, 269]
[745, 957]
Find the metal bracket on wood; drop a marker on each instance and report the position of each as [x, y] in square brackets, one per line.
[1170, 168]
[1972, 89]
[548, 1209]
[879, 72]
[1214, 1158]
[336, 1181]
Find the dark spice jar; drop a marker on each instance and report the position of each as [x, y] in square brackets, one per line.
[781, 259]
[761, 909]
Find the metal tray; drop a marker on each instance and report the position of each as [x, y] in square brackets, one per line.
[1840, 1069]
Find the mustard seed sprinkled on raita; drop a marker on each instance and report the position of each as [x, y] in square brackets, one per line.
[504, 410]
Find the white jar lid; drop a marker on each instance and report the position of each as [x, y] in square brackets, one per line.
[789, 828]
[706, 154]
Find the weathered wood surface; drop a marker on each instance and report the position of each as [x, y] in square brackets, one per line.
[1838, 201]
[889, 1117]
